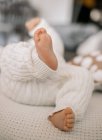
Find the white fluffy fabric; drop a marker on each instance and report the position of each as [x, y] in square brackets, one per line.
[26, 79]
[92, 44]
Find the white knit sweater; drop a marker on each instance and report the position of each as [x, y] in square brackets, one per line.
[28, 80]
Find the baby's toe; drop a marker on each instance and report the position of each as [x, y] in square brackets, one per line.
[42, 30]
[70, 125]
[39, 32]
[66, 128]
[70, 121]
[36, 37]
[68, 111]
[70, 116]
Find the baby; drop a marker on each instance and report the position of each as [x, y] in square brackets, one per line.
[35, 73]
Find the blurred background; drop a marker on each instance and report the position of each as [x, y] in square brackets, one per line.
[75, 20]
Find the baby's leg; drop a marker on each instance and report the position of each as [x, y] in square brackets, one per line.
[73, 98]
[43, 44]
[64, 120]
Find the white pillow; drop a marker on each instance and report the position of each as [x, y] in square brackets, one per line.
[93, 62]
[93, 43]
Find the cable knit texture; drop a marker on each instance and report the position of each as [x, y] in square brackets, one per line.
[26, 79]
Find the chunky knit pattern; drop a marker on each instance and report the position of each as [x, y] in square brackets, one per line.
[26, 79]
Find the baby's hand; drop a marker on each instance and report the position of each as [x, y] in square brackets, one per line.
[30, 24]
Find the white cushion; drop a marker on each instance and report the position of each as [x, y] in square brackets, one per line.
[93, 62]
[23, 122]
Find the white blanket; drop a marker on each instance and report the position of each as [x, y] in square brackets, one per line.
[22, 122]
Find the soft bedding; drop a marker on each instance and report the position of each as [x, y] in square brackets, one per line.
[23, 122]
[93, 62]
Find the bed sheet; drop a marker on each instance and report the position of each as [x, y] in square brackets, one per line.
[23, 122]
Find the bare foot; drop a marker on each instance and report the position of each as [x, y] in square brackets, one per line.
[63, 120]
[43, 43]
[32, 23]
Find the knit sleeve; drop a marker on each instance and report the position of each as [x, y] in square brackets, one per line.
[21, 62]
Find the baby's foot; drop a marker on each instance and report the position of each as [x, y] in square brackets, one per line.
[43, 43]
[63, 120]
[32, 23]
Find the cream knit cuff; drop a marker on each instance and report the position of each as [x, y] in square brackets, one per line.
[41, 70]
[42, 24]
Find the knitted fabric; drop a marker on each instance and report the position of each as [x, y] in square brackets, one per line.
[26, 79]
